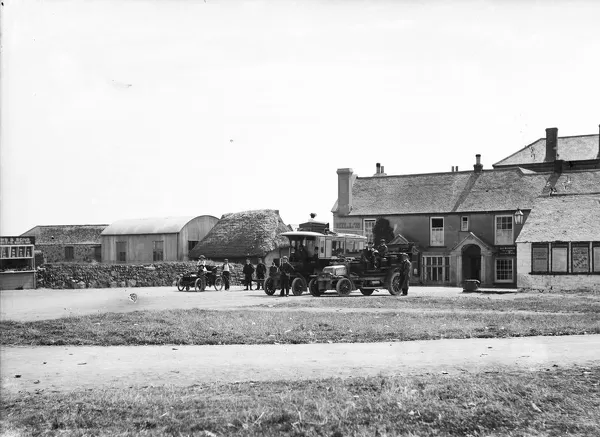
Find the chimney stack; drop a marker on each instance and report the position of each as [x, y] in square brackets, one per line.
[381, 172]
[551, 144]
[478, 167]
[378, 168]
[452, 169]
[344, 190]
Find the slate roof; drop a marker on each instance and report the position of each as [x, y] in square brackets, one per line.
[576, 148]
[241, 234]
[66, 234]
[490, 190]
[154, 225]
[563, 218]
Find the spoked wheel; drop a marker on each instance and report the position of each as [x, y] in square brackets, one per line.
[200, 284]
[366, 292]
[180, 284]
[393, 283]
[344, 287]
[219, 283]
[313, 288]
[269, 286]
[298, 286]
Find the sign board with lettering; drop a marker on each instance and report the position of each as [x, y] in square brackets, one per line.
[16, 241]
[507, 251]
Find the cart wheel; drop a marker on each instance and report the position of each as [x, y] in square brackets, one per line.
[219, 283]
[366, 292]
[313, 287]
[344, 287]
[269, 286]
[393, 283]
[298, 286]
[180, 285]
[200, 284]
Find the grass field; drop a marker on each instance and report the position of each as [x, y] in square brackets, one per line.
[298, 321]
[556, 402]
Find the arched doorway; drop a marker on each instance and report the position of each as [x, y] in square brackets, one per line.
[471, 262]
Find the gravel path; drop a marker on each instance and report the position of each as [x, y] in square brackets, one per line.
[57, 368]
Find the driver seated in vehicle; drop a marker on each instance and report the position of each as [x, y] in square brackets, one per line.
[202, 269]
[368, 255]
[382, 251]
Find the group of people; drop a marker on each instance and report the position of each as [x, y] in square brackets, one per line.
[372, 256]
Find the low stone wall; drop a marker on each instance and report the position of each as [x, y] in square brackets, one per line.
[97, 275]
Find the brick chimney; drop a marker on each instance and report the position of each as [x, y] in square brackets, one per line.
[551, 144]
[478, 167]
[344, 190]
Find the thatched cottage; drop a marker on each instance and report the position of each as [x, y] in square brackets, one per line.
[247, 234]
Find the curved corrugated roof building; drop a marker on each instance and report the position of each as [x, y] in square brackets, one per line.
[155, 225]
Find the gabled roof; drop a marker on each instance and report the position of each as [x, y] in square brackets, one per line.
[563, 218]
[66, 234]
[155, 225]
[471, 238]
[241, 234]
[575, 148]
[490, 190]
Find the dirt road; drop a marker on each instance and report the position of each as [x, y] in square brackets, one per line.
[68, 368]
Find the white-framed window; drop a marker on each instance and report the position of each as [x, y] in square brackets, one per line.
[437, 268]
[505, 270]
[504, 230]
[368, 227]
[464, 223]
[560, 257]
[437, 231]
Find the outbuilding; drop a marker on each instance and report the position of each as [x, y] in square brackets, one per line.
[150, 240]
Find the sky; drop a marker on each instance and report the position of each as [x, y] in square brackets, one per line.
[131, 109]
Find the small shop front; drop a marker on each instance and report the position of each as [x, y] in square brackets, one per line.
[17, 263]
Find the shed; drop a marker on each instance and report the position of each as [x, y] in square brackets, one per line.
[67, 243]
[247, 234]
[154, 239]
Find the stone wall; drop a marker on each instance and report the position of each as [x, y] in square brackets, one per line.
[54, 253]
[96, 275]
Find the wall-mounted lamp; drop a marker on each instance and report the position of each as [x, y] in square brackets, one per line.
[519, 216]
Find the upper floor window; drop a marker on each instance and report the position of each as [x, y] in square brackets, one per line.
[504, 230]
[369, 223]
[157, 252]
[69, 253]
[464, 223]
[437, 231]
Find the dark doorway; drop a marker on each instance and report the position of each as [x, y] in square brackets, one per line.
[471, 262]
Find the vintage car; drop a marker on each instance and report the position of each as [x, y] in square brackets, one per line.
[313, 247]
[359, 274]
[199, 281]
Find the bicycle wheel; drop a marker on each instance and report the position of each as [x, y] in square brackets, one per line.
[219, 283]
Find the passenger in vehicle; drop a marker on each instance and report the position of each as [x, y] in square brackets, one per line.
[302, 253]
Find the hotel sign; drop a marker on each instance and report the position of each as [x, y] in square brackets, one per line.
[507, 251]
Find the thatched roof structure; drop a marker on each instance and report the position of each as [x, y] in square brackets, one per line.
[243, 234]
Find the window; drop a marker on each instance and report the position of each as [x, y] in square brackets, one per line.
[437, 231]
[504, 270]
[580, 257]
[157, 251]
[369, 223]
[596, 256]
[464, 223]
[504, 230]
[69, 253]
[121, 251]
[437, 268]
[98, 253]
[559, 257]
[539, 258]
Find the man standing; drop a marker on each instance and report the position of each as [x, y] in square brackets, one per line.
[248, 271]
[405, 269]
[261, 269]
[226, 268]
[286, 270]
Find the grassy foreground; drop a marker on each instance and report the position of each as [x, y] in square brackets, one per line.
[548, 403]
[400, 319]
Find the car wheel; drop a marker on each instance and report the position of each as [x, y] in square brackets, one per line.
[393, 283]
[269, 286]
[313, 287]
[200, 284]
[218, 283]
[366, 292]
[298, 286]
[344, 287]
[180, 285]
